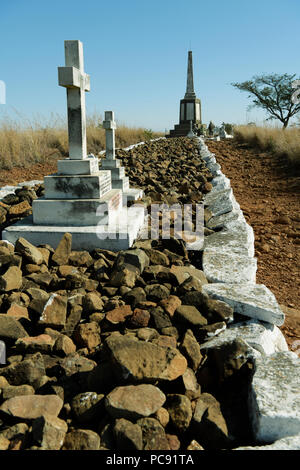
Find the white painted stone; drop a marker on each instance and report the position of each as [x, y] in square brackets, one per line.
[76, 212]
[113, 237]
[286, 443]
[132, 194]
[274, 397]
[231, 268]
[220, 202]
[233, 243]
[197, 111]
[78, 186]
[254, 301]
[265, 338]
[220, 221]
[190, 111]
[30, 183]
[109, 125]
[220, 183]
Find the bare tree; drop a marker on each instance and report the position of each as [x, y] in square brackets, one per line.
[273, 93]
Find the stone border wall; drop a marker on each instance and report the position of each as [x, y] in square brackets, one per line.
[230, 267]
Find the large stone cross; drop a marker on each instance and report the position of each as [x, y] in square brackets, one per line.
[77, 82]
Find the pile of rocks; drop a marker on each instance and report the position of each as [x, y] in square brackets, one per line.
[130, 351]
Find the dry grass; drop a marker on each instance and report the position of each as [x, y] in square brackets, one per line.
[24, 142]
[284, 143]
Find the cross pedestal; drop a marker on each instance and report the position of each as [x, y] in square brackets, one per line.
[80, 198]
[118, 178]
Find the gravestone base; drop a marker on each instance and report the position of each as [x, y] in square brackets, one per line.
[119, 234]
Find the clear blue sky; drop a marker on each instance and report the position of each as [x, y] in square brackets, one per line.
[136, 54]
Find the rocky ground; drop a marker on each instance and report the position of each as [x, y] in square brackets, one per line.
[105, 350]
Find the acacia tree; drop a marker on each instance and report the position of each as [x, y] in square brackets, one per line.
[274, 94]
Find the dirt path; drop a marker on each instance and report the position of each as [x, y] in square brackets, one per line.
[269, 195]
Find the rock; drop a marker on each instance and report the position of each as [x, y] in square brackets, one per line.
[125, 276]
[191, 386]
[147, 334]
[134, 296]
[162, 415]
[17, 390]
[81, 439]
[156, 292]
[17, 312]
[190, 348]
[274, 400]
[180, 410]
[229, 267]
[43, 343]
[49, 432]
[87, 335]
[62, 253]
[165, 341]
[92, 302]
[11, 279]
[182, 273]
[87, 406]
[80, 258]
[29, 251]
[142, 361]
[194, 445]
[64, 345]
[140, 318]
[134, 401]
[11, 328]
[29, 371]
[170, 304]
[189, 316]
[254, 301]
[154, 436]
[75, 363]
[264, 337]
[173, 441]
[208, 423]
[39, 298]
[118, 315]
[157, 257]
[160, 318]
[128, 436]
[207, 332]
[135, 257]
[32, 406]
[4, 443]
[41, 279]
[17, 435]
[54, 313]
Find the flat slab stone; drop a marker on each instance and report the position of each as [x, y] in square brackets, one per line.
[87, 166]
[235, 242]
[77, 186]
[220, 221]
[286, 443]
[77, 212]
[132, 194]
[230, 268]
[265, 338]
[254, 301]
[221, 182]
[274, 397]
[83, 237]
[221, 202]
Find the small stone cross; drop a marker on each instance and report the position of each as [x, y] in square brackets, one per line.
[109, 126]
[77, 82]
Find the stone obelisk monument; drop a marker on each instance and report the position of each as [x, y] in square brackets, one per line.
[190, 106]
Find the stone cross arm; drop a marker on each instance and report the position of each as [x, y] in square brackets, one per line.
[70, 77]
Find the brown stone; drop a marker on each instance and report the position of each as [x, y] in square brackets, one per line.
[21, 210]
[11, 279]
[18, 312]
[170, 304]
[32, 406]
[62, 253]
[43, 343]
[54, 313]
[119, 314]
[29, 251]
[49, 432]
[81, 439]
[11, 328]
[140, 318]
[87, 335]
